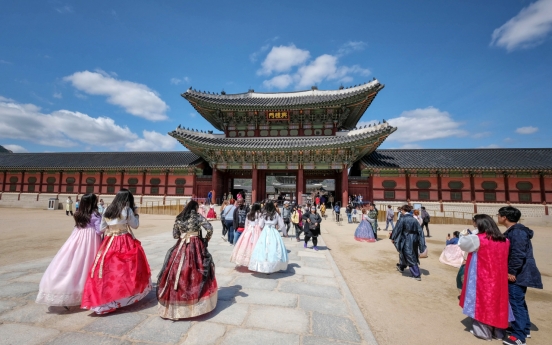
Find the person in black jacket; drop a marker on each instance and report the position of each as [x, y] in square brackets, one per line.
[522, 272]
[408, 237]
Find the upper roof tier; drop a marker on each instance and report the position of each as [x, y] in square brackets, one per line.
[356, 98]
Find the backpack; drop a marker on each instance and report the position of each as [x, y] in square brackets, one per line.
[242, 215]
[337, 208]
[295, 217]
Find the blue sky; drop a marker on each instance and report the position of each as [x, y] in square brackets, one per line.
[107, 75]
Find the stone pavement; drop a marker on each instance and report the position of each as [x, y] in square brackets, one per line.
[309, 303]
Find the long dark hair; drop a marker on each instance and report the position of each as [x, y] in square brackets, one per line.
[487, 225]
[123, 199]
[87, 206]
[269, 210]
[256, 207]
[188, 209]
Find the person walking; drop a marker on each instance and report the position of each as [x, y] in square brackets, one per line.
[312, 228]
[389, 215]
[243, 248]
[425, 220]
[349, 213]
[239, 218]
[484, 295]
[409, 241]
[101, 206]
[68, 206]
[228, 215]
[522, 272]
[186, 285]
[120, 275]
[63, 281]
[286, 215]
[364, 231]
[373, 218]
[270, 254]
[209, 196]
[222, 220]
[337, 211]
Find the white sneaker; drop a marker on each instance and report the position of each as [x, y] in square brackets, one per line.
[224, 238]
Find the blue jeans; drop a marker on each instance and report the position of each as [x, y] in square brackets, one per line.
[237, 235]
[522, 324]
[230, 227]
[387, 224]
[349, 219]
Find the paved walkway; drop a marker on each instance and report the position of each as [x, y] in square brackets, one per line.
[307, 304]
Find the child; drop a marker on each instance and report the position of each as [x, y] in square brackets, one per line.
[355, 212]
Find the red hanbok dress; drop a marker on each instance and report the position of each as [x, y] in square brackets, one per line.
[211, 214]
[120, 275]
[186, 286]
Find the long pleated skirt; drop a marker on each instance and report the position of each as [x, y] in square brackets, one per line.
[364, 232]
[186, 286]
[269, 254]
[244, 248]
[63, 282]
[120, 275]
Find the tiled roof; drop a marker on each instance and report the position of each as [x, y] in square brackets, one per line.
[4, 150]
[463, 159]
[282, 99]
[343, 139]
[99, 160]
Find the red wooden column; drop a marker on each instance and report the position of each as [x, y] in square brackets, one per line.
[22, 181]
[506, 187]
[344, 187]
[214, 185]
[254, 184]
[80, 183]
[4, 181]
[144, 182]
[300, 186]
[60, 181]
[166, 184]
[371, 188]
[439, 188]
[122, 178]
[542, 192]
[101, 181]
[40, 183]
[407, 178]
[472, 186]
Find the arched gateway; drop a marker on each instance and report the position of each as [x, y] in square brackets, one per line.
[296, 137]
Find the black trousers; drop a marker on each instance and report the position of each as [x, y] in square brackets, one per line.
[67, 212]
[426, 226]
[298, 230]
[314, 239]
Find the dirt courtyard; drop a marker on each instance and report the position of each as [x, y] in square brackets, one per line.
[399, 310]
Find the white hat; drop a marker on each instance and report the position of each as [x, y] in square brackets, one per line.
[286, 202]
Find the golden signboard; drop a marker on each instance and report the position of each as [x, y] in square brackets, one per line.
[277, 115]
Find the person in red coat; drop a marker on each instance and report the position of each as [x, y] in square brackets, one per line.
[484, 295]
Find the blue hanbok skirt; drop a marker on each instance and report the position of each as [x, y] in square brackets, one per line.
[365, 232]
[269, 254]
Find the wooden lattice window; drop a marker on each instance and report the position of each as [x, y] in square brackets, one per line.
[524, 185]
[524, 197]
[489, 196]
[390, 184]
[132, 181]
[132, 189]
[31, 186]
[423, 184]
[70, 184]
[489, 185]
[456, 185]
[50, 184]
[13, 183]
[389, 194]
[90, 181]
[457, 196]
[423, 195]
[111, 181]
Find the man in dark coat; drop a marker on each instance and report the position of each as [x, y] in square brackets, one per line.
[522, 272]
[409, 240]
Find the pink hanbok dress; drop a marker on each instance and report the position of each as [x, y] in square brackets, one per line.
[63, 282]
[246, 243]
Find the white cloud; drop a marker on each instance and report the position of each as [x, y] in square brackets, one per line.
[425, 124]
[57, 95]
[136, 99]
[16, 148]
[193, 114]
[350, 47]
[5, 62]
[481, 135]
[176, 81]
[282, 59]
[411, 146]
[527, 130]
[152, 141]
[64, 9]
[80, 95]
[527, 29]
[62, 128]
[491, 146]
[280, 81]
[324, 67]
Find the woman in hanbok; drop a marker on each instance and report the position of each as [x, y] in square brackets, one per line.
[63, 282]
[372, 216]
[202, 210]
[484, 295]
[243, 248]
[452, 254]
[120, 275]
[211, 214]
[269, 254]
[364, 231]
[186, 285]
